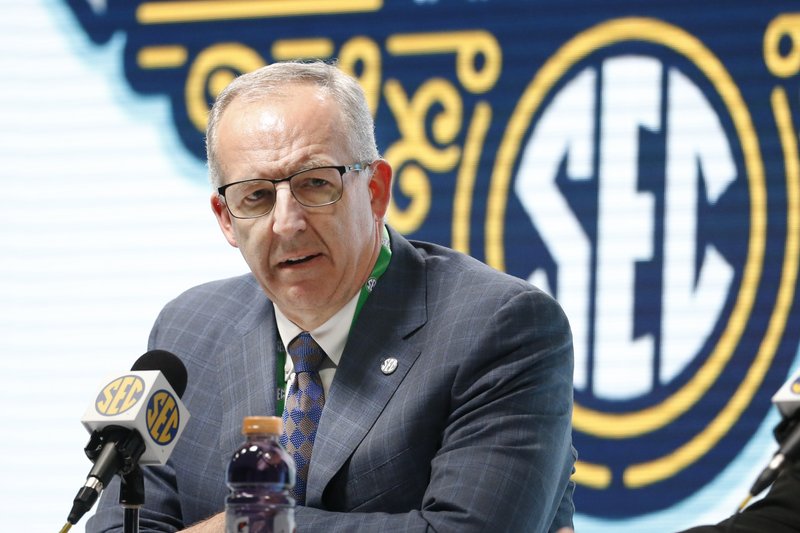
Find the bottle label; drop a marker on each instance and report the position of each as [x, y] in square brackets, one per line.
[264, 520]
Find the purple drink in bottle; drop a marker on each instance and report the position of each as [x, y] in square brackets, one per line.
[261, 475]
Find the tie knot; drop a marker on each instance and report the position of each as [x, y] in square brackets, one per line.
[306, 354]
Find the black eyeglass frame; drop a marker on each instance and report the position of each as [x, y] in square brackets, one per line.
[342, 169]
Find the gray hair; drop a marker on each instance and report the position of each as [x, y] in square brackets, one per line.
[277, 79]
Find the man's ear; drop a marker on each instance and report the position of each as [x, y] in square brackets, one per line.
[223, 219]
[380, 187]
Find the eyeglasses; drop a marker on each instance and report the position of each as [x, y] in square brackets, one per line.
[314, 187]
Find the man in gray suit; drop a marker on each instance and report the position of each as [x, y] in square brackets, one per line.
[447, 385]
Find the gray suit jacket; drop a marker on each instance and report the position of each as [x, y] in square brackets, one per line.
[470, 433]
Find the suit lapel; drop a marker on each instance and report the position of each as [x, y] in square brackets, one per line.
[247, 373]
[360, 390]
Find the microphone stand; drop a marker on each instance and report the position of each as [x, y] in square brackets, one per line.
[131, 497]
[123, 458]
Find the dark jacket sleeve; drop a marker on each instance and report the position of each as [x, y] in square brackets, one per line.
[777, 512]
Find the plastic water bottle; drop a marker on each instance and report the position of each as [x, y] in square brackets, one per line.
[261, 475]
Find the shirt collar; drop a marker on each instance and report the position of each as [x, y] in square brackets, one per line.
[331, 335]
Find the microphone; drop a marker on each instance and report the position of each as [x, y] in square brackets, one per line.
[787, 433]
[136, 419]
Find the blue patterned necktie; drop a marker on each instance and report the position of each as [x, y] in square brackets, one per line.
[303, 410]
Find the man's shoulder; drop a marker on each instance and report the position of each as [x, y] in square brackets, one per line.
[456, 281]
[228, 299]
[235, 288]
[451, 266]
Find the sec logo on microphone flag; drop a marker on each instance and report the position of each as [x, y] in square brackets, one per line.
[163, 417]
[144, 401]
[119, 395]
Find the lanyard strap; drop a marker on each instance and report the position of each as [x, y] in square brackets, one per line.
[380, 267]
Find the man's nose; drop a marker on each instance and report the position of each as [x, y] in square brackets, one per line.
[288, 216]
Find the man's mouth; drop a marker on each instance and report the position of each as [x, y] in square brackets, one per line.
[298, 260]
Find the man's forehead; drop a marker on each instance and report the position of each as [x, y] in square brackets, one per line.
[305, 105]
[280, 141]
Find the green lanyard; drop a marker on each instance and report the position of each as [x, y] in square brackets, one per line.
[381, 265]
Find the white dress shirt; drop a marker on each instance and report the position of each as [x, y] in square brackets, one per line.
[331, 336]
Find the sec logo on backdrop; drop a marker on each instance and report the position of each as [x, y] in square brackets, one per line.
[640, 169]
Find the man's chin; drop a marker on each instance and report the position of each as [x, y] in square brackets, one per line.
[303, 306]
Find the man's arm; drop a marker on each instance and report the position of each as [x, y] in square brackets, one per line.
[777, 512]
[215, 524]
[161, 511]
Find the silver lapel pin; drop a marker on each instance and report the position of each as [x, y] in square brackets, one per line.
[389, 365]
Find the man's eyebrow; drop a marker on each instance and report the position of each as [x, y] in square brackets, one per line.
[314, 163]
[305, 165]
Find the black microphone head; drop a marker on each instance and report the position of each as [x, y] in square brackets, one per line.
[168, 364]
